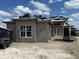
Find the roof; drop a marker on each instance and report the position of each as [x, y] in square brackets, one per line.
[57, 20]
[58, 17]
[27, 19]
[12, 22]
[5, 29]
[38, 19]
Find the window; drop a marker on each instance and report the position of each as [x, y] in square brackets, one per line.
[25, 31]
[52, 31]
[57, 31]
[28, 31]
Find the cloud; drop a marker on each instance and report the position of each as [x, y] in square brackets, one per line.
[46, 13]
[72, 4]
[22, 10]
[74, 19]
[4, 13]
[4, 17]
[75, 15]
[58, 0]
[70, 19]
[41, 6]
[2, 25]
[39, 12]
[51, 1]
[54, 1]
[73, 22]
[18, 11]
[7, 19]
[62, 10]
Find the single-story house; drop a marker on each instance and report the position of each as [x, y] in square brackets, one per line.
[35, 29]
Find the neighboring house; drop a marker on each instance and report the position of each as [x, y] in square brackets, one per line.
[37, 29]
[5, 38]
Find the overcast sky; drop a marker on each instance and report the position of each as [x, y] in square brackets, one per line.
[14, 8]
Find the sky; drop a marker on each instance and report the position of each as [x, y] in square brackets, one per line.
[14, 8]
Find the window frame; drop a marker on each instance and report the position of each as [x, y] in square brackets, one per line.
[25, 32]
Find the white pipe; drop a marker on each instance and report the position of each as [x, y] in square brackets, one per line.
[70, 32]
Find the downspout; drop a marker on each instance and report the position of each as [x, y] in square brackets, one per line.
[70, 33]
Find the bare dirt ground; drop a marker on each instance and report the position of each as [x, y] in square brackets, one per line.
[51, 50]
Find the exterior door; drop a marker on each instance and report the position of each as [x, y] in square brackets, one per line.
[57, 31]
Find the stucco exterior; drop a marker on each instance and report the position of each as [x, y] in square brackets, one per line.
[12, 26]
[33, 31]
[41, 30]
[59, 33]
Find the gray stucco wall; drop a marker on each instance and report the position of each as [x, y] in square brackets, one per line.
[33, 31]
[42, 32]
[12, 27]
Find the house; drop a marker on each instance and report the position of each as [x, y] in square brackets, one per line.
[5, 38]
[38, 29]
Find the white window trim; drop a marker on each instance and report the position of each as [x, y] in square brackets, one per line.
[25, 32]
